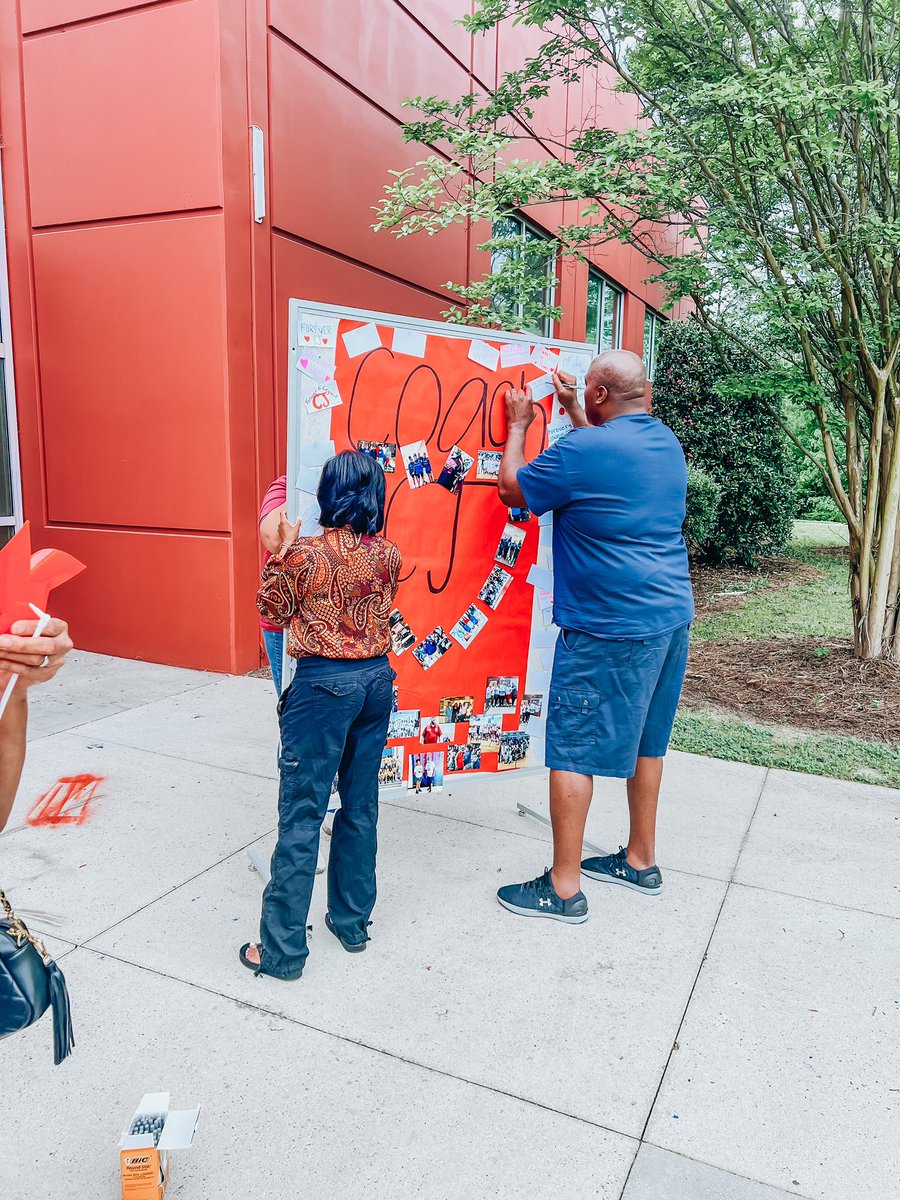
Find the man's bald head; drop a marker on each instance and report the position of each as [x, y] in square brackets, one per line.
[615, 383]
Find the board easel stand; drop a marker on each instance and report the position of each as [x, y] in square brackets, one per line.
[524, 811]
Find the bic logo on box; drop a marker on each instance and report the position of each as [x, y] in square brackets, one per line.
[137, 1162]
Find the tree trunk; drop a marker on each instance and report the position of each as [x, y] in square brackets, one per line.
[875, 572]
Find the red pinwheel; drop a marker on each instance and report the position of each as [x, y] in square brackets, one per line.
[28, 579]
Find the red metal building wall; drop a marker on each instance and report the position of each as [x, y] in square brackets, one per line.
[150, 311]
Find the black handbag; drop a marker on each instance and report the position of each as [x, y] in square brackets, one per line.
[30, 983]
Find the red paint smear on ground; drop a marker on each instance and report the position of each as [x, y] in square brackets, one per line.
[71, 789]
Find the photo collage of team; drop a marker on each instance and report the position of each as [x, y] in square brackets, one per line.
[467, 732]
[454, 738]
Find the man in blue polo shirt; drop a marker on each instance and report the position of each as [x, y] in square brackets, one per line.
[622, 600]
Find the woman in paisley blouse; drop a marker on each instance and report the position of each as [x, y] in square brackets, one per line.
[333, 593]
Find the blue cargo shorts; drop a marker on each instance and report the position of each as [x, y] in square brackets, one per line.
[613, 701]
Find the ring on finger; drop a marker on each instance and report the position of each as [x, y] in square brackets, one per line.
[46, 662]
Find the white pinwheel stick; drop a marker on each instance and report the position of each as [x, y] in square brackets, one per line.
[43, 622]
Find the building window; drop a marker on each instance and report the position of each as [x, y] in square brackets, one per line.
[604, 313]
[652, 323]
[509, 307]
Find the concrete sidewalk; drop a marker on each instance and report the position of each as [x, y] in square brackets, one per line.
[734, 1039]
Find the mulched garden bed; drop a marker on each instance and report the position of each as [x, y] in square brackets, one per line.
[786, 682]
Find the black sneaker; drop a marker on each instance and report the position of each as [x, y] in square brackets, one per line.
[538, 898]
[353, 947]
[615, 868]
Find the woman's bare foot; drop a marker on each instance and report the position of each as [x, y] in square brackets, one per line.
[253, 953]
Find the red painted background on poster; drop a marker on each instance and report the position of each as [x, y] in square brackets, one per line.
[448, 542]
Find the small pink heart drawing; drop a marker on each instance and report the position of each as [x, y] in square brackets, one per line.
[307, 338]
[304, 363]
[324, 341]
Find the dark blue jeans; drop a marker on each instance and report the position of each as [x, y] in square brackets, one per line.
[334, 720]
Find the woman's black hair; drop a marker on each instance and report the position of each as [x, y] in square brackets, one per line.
[351, 492]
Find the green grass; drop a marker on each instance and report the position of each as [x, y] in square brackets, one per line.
[820, 533]
[816, 754]
[818, 607]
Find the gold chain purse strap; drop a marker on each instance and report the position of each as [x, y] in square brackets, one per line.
[19, 933]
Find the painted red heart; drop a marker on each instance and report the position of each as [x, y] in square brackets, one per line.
[307, 338]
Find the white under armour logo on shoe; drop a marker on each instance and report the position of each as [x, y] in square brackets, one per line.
[619, 871]
[543, 902]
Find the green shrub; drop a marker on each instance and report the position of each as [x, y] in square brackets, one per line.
[732, 438]
[819, 508]
[703, 498]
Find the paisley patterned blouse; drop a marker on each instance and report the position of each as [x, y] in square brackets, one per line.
[334, 592]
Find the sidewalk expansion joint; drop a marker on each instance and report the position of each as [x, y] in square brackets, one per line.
[410, 1062]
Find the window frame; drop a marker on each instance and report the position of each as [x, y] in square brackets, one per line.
[607, 286]
[527, 227]
[652, 321]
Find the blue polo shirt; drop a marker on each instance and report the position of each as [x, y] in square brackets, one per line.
[617, 491]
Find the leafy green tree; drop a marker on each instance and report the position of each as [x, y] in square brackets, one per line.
[764, 172]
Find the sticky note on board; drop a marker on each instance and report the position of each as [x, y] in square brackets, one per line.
[409, 341]
[544, 639]
[315, 454]
[316, 331]
[361, 340]
[484, 354]
[536, 727]
[545, 358]
[546, 658]
[515, 354]
[316, 362]
[557, 429]
[309, 519]
[321, 399]
[539, 681]
[542, 387]
[540, 578]
[308, 479]
[575, 362]
[316, 425]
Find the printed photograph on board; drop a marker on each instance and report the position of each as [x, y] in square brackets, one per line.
[454, 471]
[418, 464]
[510, 545]
[426, 771]
[390, 773]
[457, 709]
[469, 624]
[431, 648]
[484, 731]
[519, 516]
[384, 453]
[532, 706]
[466, 756]
[404, 724]
[513, 749]
[433, 730]
[488, 465]
[402, 637]
[494, 588]
[501, 694]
